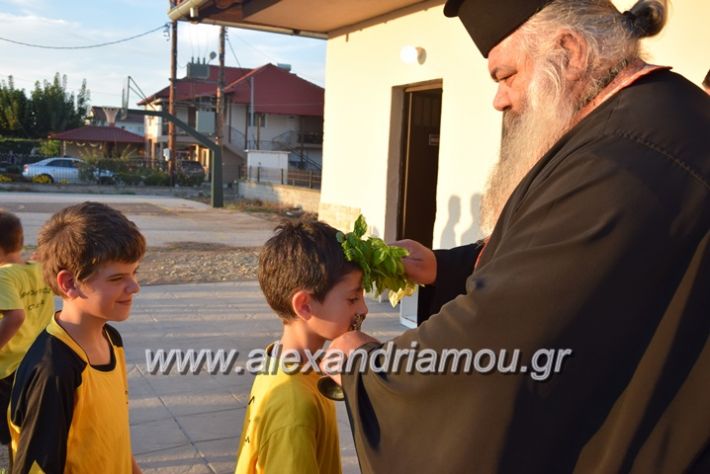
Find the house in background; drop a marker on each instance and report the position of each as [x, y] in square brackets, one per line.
[409, 104]
[132, 122]
[410, 131]
[267, 108]
[97, 141]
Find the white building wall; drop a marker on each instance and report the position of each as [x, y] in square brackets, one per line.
[363, 68]
[275, 126]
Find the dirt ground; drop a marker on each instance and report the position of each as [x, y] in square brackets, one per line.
[195, 262]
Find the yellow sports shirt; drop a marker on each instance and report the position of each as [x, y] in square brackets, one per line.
[289, 427]
[22, 287]
[67, 415]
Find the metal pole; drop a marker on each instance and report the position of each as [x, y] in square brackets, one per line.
[217, 189]
[171, 102]
[251, 104]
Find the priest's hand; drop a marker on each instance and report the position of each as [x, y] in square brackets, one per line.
[420, 264]
[339, 350]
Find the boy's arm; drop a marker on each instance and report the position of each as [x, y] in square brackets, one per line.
[10, 323]
[290, 450]
[42, 407]
[135, 467]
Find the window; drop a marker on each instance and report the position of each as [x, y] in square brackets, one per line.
[259, 119]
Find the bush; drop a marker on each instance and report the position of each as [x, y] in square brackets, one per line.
[156, 178]
[18, 146]
[50, 148]
[131, 178]
[5, 179]
[42, 179]
[190, 180]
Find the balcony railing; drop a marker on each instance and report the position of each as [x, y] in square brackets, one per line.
[292, 177]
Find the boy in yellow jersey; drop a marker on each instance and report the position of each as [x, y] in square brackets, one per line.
[289, 427]
[69, 403]
[26, 307]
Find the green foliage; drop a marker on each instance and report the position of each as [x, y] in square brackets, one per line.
[190, 180]
[153, 177]
[49, 108]
[15, 109]
[381, 264]
[5, 179]
[19, 146]
[42, 179]
[50, 148]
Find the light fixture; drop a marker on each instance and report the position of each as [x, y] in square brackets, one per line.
[412, 54]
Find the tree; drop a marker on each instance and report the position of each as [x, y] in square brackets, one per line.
[49, 108]
[15, 119]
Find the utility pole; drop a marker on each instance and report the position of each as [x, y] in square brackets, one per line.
[217, 198]
[171, 102]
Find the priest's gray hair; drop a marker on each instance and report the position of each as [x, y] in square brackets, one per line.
[613, 38]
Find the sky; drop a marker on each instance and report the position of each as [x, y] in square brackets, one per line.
[145, 59]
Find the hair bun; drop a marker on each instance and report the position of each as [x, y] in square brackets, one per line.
[646, 18]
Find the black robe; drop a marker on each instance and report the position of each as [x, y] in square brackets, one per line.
[603, 248]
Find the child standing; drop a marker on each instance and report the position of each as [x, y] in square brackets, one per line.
[69, 404]
[26, 307]
[289, 426]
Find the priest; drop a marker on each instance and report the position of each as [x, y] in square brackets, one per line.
[599, 212]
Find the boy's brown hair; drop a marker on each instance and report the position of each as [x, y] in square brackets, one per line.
[83, 237]
[303, 255]
[11, 235]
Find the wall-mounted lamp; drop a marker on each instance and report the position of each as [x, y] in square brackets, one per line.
[412, 54]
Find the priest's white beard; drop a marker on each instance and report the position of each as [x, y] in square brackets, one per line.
[547, 114]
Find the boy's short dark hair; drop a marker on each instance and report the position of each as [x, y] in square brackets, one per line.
[303, 255]
[706, 82]
[83, 237]
[11, 235]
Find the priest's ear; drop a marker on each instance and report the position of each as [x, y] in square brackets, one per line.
[302, 304]
[576, 58]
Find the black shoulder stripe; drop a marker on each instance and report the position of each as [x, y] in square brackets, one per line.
[114, 335]
[42, 403]
[48, 358]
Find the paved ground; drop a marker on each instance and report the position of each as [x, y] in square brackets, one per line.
[191, 423]
[163, 220]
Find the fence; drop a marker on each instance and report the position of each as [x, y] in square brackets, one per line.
[69, 170]
[293, 177]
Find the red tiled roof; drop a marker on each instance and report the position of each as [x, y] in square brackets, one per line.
[276, 91]
[186, 89]
[92, 133]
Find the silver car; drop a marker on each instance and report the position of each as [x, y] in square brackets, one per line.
[63, 169]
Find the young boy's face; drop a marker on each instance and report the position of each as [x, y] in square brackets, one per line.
[108, 293]
[336, 313]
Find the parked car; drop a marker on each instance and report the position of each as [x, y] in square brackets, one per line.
[63, 169]
[191, 168]
[190, 173]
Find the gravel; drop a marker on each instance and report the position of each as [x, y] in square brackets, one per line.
[194, 262]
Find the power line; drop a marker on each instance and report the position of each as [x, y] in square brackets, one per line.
[98, 45]
[233, 53]
[270, 58]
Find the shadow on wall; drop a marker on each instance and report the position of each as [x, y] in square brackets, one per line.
[448, 236]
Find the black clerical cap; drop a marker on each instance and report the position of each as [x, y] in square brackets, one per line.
[490, 21]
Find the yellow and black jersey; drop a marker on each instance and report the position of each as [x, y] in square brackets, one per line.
[67, 415]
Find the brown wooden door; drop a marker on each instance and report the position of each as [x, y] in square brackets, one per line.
[420, 165]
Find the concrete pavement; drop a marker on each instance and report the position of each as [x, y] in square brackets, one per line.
[191, 423]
